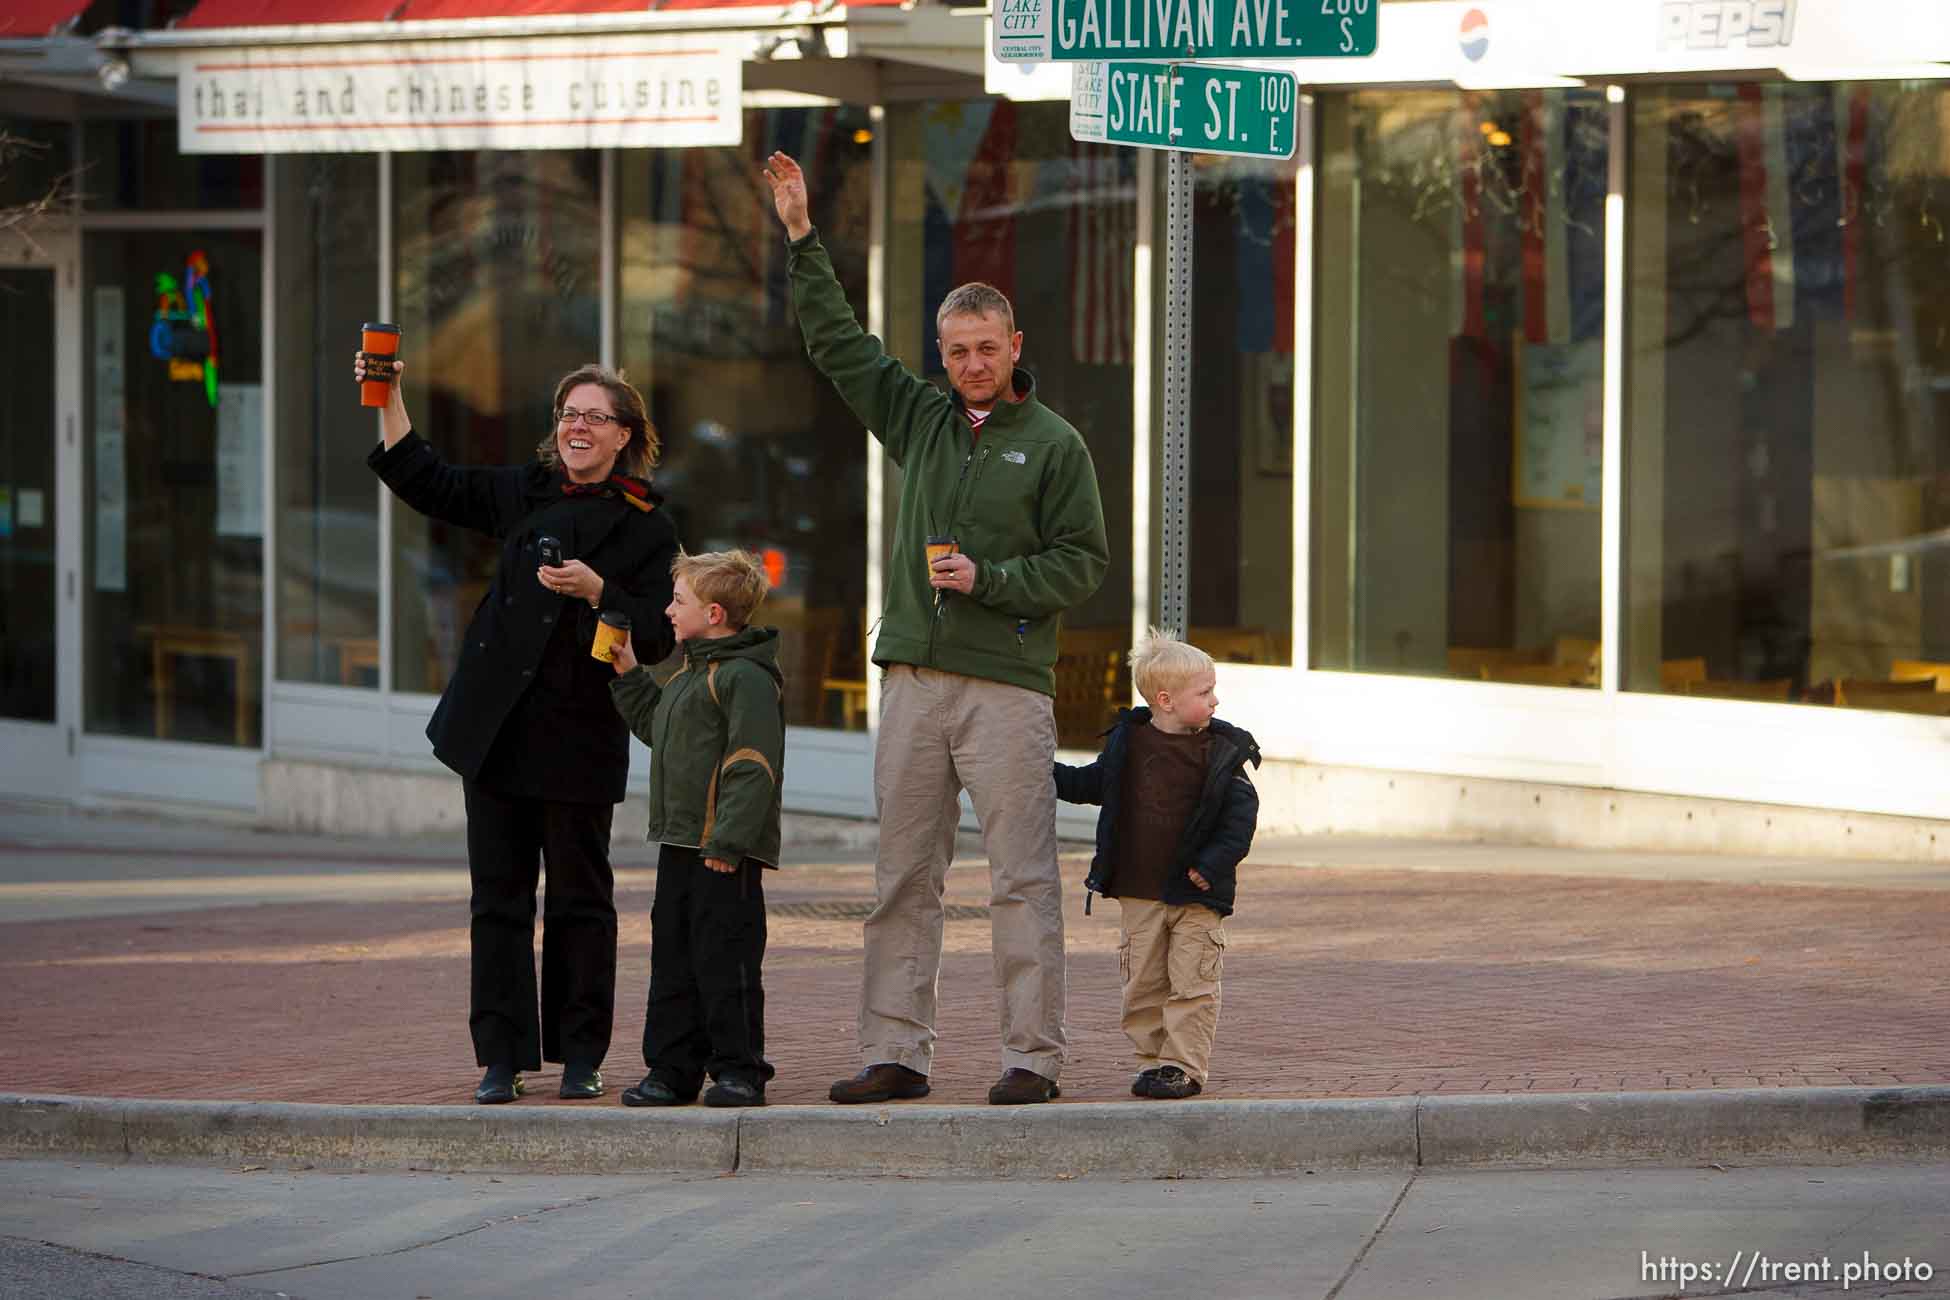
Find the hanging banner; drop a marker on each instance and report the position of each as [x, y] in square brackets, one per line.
[571, 92]
[110, 496]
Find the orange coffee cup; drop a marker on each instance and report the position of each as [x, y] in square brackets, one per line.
[940, 545]
[382, 340]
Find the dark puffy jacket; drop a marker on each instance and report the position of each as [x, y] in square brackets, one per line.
[1213, 841]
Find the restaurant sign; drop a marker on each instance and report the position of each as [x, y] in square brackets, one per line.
[572, 92]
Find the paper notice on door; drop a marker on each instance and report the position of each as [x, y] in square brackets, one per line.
[111, 488]
[240, 461]
[32, 508]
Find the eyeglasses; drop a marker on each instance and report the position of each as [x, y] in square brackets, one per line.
[594, 419]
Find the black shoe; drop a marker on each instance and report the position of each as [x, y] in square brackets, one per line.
[1141, 1086]
[1018, 1087]
[653, 1091]
[580, 1082]
[734, 1092]
[1173, 1084]
[500, 1084]
[884, 1082]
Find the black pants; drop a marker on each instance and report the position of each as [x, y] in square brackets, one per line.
[509, 840]
[707, 1007]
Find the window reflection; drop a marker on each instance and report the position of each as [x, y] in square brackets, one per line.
[498, 293]
[759, 452]
[1242, 404]
[994, 190]
[1788, 367]
[1458, 382]
[328, 513]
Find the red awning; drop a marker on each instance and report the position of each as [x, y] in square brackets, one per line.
[281, 13]
[25, 19]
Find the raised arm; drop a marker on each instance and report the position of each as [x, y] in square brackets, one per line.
[891, 400]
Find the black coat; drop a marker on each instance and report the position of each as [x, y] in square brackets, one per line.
[1215, 839]
[510, 630]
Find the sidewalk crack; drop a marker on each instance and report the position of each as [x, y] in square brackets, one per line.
[1361, 1255]
[418, 1245]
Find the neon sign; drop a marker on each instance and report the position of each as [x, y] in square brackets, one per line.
[185, 332]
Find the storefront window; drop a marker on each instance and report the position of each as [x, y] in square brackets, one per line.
[173, 402]
[759, 451]
[133, 165]
[1788, 394]
[499, 297]
[1242, 410]
[995, 190]
[328, 511]
[36, 164]
[28, 612]
[1458, 385]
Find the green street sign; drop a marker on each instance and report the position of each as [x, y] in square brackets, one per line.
[1199, 107]
[1036, 31]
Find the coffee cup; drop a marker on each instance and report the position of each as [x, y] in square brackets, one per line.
[378, 340]
[612, 630]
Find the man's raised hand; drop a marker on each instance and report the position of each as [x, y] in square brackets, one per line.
[789, 194]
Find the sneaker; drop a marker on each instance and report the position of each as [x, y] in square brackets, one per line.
[883, 1082]
[1141, 1086]
[1019, 1087]
[499, 1085]
[653, 1091]
[734, 1092]
[1173, 1084]
[580, 1082]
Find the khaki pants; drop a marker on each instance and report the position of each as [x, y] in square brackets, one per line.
[1170, 958]
[941, 733]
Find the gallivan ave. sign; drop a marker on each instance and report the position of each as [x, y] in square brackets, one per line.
[1033, 31]
[565, 92]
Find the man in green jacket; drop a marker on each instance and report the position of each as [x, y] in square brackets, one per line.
[967, 646]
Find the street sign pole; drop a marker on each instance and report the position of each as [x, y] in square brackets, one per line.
[1175, 533]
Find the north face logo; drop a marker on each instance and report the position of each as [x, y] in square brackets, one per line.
[1015, 457]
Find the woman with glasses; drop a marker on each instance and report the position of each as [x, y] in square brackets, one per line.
[526, 718]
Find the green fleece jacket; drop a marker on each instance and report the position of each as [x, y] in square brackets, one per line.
[716, 731]
[1021, 500]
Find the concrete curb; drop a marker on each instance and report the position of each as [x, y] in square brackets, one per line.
[1128, 1140]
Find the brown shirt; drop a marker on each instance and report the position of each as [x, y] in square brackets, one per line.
[1163, 777]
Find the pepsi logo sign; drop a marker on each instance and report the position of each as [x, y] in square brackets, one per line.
[1475, 35]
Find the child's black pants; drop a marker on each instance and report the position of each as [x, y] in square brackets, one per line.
[707, 1006]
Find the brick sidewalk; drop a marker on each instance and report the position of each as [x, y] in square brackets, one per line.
[1339, 983]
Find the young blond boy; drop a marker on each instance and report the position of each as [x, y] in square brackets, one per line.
[716, 731]
[1178, 815]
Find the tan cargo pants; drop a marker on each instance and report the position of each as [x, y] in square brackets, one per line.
[941, 733]
[1171, 958]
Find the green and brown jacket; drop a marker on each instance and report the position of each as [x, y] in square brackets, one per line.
[1021, 499]
[716, 731]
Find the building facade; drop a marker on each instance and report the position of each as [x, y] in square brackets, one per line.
[1565, 460]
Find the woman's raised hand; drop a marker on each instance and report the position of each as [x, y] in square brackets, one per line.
[393, 421]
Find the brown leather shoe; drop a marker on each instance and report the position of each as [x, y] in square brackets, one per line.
[883, 1082]
[1019, 1087]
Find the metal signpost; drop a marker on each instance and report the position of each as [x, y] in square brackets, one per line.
[1134, 82]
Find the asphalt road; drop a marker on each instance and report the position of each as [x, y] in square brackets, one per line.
[79, 1229]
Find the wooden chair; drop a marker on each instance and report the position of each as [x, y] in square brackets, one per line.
[1089, 663]
[1575, 674]
[1583, 651]
[1470, 661]
[1236, 645]
[169, 642]
[1770, 690]
[1868, 693]
[1674, 674]
[1910, 670]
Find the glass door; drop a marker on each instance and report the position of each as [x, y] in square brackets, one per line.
[39, 632]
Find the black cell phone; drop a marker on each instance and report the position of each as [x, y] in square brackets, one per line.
[551, 549]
